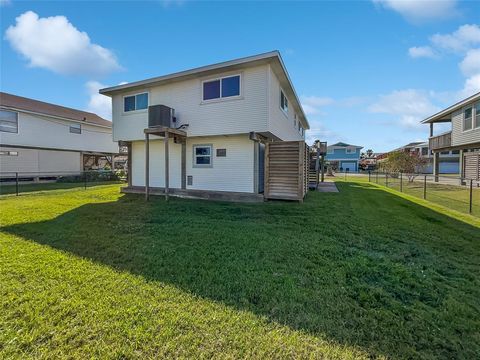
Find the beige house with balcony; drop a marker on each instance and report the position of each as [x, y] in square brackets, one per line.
[464, 135]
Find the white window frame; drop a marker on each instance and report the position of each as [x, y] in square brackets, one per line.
[463, 118]
[135, 95]
[223, 98]
[75, 127]
[285, 111]
[16, 121]
[349, 150]
[194, 160]
[475, 115]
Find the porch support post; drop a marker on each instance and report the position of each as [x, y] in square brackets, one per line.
[129, 164]
[431, 129]
[436, 164]
[184, 164]
[461, 167]
[167, 165]
[147, 166]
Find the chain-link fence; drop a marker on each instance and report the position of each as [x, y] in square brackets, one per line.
[17, 183]
[450, 191]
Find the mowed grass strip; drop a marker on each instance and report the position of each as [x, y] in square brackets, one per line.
[362, 273]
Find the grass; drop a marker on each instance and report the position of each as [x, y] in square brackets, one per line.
[450, 196]
[47, 186]
[359, 274]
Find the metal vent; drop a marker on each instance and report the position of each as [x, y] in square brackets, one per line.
[221, 152]
[189, 180]
[160, 115]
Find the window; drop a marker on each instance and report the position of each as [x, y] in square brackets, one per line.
[135, 102]
[221, 152]
[445, 152]
[467, 119]
[76, 129]
[330, 150]
[349, 151]
[8, 121]
[283, 102]
[424, 151]
[477, 115]
[455, 152]
[221, 88]
[202, 155]
[9, 153]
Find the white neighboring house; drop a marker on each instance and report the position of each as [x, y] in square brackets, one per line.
[217, 119]
[42, 140]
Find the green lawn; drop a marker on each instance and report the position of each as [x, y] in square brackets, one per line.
[451, 196]
[359, 274]
[47, 186]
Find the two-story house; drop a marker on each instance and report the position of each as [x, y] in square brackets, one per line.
[343, 157]
[203, 130]
[42, 140]
[463, 137]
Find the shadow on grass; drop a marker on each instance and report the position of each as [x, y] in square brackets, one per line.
[363, 267]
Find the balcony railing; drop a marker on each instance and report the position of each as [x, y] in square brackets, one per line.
[441, 141]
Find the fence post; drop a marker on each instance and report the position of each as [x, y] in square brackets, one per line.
[401, 181]
[369, 175]
[425, 186]
[16, 183]
[345, 176]
[471, 198]
[386, 179]
[376, 177]
[85, 179]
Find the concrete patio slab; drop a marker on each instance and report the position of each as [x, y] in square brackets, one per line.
[328, 186]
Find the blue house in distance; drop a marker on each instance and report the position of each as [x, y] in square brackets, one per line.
[343, 157]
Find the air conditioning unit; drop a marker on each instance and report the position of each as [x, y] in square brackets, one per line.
[161, 115]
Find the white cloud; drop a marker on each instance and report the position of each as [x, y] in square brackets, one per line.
[408, 106]
[465, 37]
[472, 86]
[470, 64]
[420, 10]
[98, 103]
[54, 43]
[422, 51]
[311, 104]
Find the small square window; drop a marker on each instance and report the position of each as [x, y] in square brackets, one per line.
[211, 90]
[76, 129]
[8, 121]
[202, 155]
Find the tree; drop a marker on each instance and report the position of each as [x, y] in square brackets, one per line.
[404, 162]
[369, 153]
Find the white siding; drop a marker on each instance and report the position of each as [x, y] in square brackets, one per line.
[47, 132]
[228, 116]
[279, 123]
[40, 161]
[231, 173]
[460, 137]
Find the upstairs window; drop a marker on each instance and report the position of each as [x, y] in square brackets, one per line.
[283, 102]
[221, 88]
[135, 102]
[349, 151]
[467, 119]
[76, 129]
[202, 155]
[477, 115]
[8, 121]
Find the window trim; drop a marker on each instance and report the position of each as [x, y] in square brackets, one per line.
[194, 157]
[474, 115]
[74, 126]
[280, 102]
[463, 118]
[222, 98]
[16, 121]
[135, 111]
[350, 150]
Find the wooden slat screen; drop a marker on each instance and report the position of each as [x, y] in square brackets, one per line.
[286, 172]
[472, 165]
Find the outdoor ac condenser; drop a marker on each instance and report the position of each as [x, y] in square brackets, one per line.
[161, 115]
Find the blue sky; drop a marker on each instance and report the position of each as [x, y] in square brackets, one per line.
[366, 71]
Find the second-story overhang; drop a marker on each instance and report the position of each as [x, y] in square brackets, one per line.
[446, 114]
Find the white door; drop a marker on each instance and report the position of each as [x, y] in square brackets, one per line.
[348, 166]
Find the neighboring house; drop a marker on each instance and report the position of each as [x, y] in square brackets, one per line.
[344, 157]
[209, 124]
[463, 137]
[448, 159]
[42, 140]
